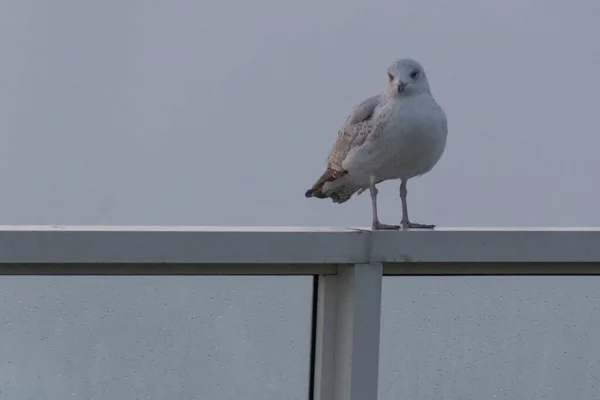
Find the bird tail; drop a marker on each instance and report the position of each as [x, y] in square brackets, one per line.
[332, 185]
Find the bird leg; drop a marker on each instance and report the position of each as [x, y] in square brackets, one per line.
[405, 223]
[376, 225]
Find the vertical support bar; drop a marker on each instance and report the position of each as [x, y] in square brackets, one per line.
[313, 338]
[348, 328]
[324, 368]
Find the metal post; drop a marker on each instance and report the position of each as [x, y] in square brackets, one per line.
[347, 337]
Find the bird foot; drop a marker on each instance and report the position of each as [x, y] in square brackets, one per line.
[413, 225]
[378, 226]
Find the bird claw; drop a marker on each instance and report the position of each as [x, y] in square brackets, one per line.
[413, 225]
[378, 226]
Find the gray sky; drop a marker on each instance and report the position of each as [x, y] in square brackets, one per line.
[206, 113]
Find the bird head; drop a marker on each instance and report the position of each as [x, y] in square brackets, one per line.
[406, 76]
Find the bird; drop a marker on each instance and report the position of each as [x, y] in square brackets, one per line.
[398, 134]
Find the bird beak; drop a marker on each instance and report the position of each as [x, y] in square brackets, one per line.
[401, 86]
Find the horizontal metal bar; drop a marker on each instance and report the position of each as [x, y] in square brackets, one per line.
[497, 268]
[169, 245]
[499, 245]
[167, 269]
[290, 245]
[389, 269]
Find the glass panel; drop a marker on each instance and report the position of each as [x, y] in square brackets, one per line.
[155, 337]
[490, 338]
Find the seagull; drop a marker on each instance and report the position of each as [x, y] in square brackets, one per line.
[397, 134]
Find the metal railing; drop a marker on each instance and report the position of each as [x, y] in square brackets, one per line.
[348, 266]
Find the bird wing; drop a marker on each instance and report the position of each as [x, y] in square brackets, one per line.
[353, 133]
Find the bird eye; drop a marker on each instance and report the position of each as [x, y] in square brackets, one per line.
[414, 74]
[390, 77]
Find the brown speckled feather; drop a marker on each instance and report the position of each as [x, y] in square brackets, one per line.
[356, 129]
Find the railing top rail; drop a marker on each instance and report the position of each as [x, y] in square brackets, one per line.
[175, 250]
[287, 246]
[226, 228]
